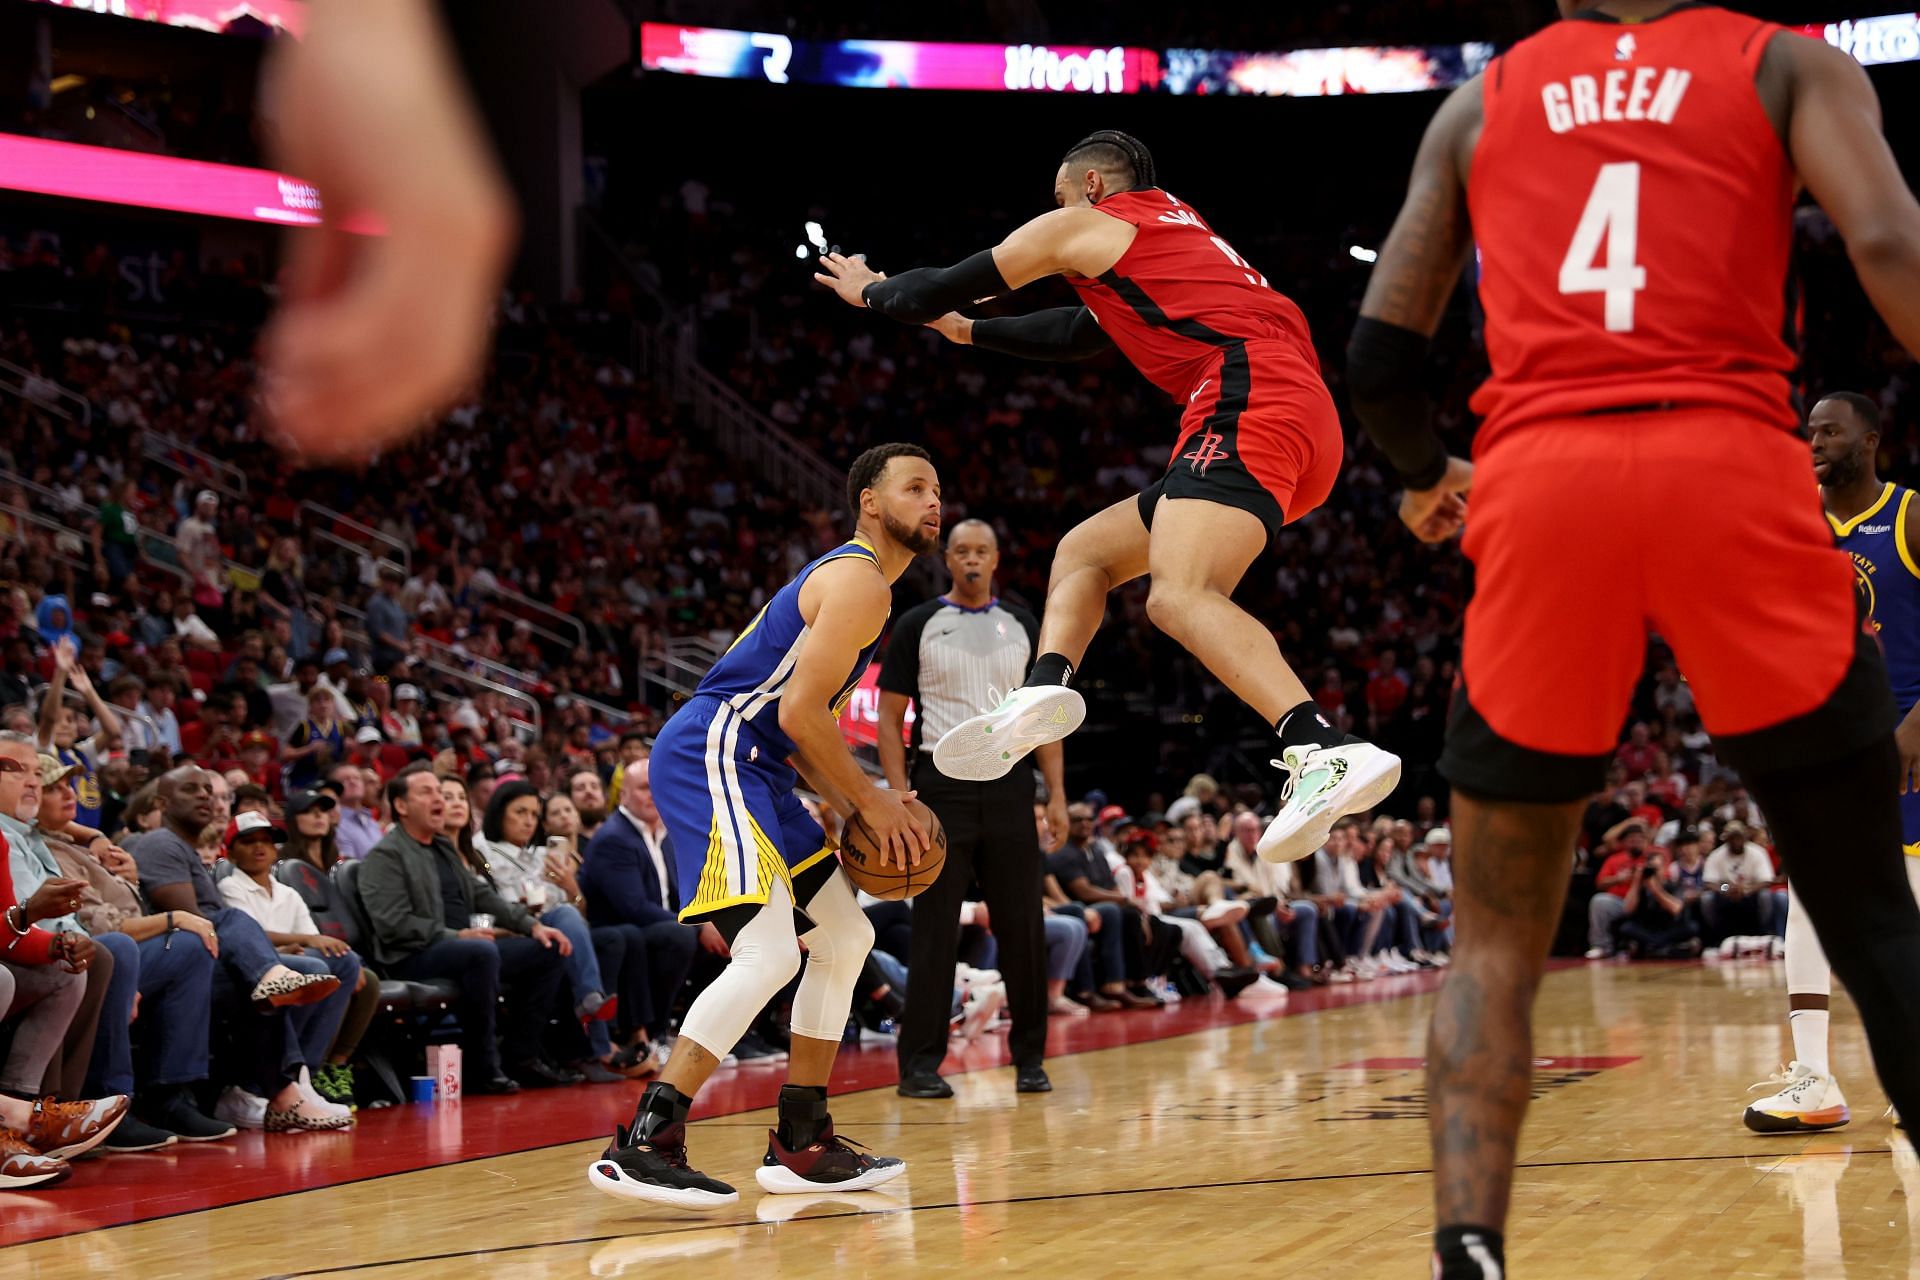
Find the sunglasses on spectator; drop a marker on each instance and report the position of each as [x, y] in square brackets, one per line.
[8, 765]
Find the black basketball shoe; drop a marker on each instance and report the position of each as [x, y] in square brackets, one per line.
[828, 1163]
[655, 1169]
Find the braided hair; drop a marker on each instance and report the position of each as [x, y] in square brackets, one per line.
[1116, 152]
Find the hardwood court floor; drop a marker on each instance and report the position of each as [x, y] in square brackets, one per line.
[1286, 1146]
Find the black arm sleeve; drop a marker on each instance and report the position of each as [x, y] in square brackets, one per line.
[927, 293]
[1064, 333]
[1386, 381]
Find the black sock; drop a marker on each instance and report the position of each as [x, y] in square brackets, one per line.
[803, 1114]
[660, 1106]
[1305, 726]
[1469, 1253]
[1050, 668]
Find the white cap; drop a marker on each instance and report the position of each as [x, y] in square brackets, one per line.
[206, 495]
[402, 692]
[1439, 835]
[368, 734]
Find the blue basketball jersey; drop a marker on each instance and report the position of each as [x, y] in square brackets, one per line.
[750, 676]
[1888, 582]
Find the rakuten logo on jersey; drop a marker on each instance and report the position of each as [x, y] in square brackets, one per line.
[1034, 66]
[1894, 38]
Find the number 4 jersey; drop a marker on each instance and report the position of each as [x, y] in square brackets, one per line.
[1633, 209]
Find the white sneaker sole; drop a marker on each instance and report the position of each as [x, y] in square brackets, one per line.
[1372, 774]
[989, 745]
[81, 1148]
[778, 1180]
[684, 1198]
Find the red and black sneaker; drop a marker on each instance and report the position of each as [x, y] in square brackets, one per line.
[655, 1169]
[828, 1163]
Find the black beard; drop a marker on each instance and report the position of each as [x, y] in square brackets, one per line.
[1843, 471]
[914, 538]
[592, 817]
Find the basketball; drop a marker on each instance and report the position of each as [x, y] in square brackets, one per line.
[860, 855]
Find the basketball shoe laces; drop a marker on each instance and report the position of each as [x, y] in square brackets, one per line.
[1785, 1081]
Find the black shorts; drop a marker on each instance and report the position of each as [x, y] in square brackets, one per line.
[1228, 483]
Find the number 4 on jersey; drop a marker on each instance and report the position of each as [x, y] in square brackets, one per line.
[1612, 217]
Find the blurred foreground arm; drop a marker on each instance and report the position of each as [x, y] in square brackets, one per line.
[376, 333]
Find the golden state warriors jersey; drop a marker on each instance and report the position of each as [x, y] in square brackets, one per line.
[750, 676]
[1888, 582]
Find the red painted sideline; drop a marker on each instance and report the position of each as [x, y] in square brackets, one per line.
[115, 1190]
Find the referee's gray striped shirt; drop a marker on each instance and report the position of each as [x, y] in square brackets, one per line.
[952, 660]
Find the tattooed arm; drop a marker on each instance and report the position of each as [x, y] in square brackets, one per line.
[1419, 266]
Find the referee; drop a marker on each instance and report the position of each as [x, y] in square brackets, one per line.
[953, 656]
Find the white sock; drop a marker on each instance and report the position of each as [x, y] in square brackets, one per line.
[1810, 1038]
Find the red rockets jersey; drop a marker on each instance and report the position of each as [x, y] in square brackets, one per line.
[1180, 295]
[1633, 209]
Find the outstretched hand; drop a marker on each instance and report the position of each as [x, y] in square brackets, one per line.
[847, 277]
[1439, 513]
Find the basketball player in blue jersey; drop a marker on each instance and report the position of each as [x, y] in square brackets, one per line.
[751, 861]
[1874, 524]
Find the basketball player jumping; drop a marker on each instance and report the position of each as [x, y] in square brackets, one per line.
[1259, 445]
[1873, 526]
[750, 859]
[1629, 177]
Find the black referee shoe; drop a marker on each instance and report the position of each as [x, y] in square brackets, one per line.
[924, 1084]
[1033, 1080]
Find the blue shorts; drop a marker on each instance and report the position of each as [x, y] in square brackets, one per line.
[1910, 822]
[736, 825]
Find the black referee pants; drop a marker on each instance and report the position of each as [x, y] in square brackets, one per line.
[991, 840]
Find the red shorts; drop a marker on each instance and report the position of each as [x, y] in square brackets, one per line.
[1260, 433]
[1588, 535]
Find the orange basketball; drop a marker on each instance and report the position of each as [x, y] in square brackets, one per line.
[860, 855]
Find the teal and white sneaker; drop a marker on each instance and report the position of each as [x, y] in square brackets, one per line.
[1326, 785]
[991, 743]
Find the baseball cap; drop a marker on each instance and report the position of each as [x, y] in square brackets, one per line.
[248, 823]
[368, 734]
[1177, 811]
[301, 801]
[405, 691]
[1111, 813]
[335, 655]
[257, 738]
[206, 495]
[1440, 835]
[52, 771]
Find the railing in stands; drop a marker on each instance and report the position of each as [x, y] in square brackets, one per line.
[196, 464]
[525, 604]
[26, 517]
[52, 498]
[745, 433]
[38, 389]
[353, 548]
[334, 520]
[533, 722]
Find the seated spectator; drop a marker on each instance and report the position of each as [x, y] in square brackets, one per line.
[633, 749]
[1206, 957]
[1738, 878]
[252, 798]
[627, 876]
[561, 822]
[589, 798]
[401, 722]
[141, 815]
[527, 869]
[421, 899]
[42, 983]
[1206, 897]
[174, 990]
[1286, 925]
[284, 1008]
[60, 727]
[1658, 925]
[253, 847]
[315, 744]
[312, 839]
[355, 828]
[1146, 944]
[1622, 850]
